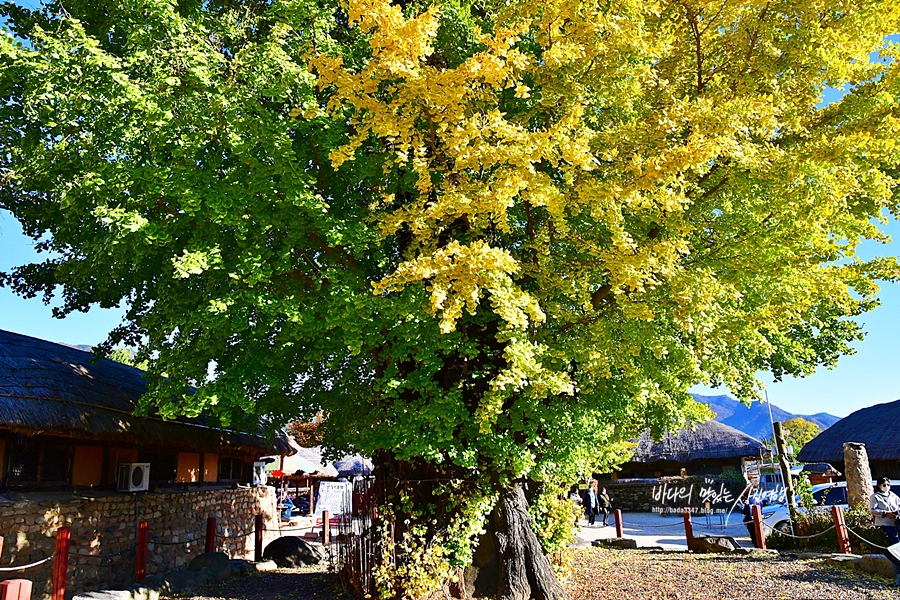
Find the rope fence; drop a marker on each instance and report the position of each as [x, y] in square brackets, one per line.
[873, 544]
[798, 537]
[28, 566]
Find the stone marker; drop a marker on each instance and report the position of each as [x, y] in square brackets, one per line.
[859, 476]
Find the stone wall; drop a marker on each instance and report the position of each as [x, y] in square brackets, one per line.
[671, 494]
[103, 532]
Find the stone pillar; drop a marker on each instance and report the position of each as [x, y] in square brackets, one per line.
[859, 476]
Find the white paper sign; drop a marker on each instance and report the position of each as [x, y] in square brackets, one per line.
[336, 497]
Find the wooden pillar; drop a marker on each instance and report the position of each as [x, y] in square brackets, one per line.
[140, 557]
[326, 527]
[311, 497]
[688, 528]
[840, 526]
[617, 515]
[258, 539]
[785, 469]
[210, 534]
[61, 563]
[758, 526]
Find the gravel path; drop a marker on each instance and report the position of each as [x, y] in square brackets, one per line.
[656, 575]
[625, 575]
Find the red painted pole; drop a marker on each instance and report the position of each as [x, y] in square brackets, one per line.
[140, 558]
[61, 563]
[688, 528]
[326, 527]
[758, 526]
[837, 513]
[211, 534]
[258, 546]
[617, 515]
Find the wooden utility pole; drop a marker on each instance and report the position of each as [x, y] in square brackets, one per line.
[785, 468]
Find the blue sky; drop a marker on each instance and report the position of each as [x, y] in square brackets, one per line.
[863, 379]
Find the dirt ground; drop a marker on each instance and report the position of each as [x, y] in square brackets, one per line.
[625, 575]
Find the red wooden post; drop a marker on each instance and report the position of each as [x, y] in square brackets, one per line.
[326, 527]
[756, 510]
[15, 589]
[688, 528]
[61, 563]
[837, 513]
[211, 534]
[258, 546]
[617, 515]
[140, 558]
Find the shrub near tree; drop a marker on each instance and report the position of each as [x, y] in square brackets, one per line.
[490, 241]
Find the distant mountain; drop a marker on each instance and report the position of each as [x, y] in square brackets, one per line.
[754, 419]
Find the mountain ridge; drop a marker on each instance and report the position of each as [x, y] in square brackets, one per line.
[754, 419]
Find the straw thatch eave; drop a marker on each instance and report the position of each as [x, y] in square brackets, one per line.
[878, 427]
[50, 389]
[710, 440]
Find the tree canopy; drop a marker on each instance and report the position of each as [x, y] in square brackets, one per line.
[493, 240]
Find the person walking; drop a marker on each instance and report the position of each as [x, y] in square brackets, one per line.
[605, 504]
[591, 503]
[885, 508]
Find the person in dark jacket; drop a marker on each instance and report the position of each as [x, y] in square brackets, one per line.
[605, 504]
[591, 502]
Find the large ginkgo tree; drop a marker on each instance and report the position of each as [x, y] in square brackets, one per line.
[490, 240]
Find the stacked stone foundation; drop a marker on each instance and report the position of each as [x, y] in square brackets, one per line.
[103, 533]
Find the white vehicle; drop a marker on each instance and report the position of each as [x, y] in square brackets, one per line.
[826, 495]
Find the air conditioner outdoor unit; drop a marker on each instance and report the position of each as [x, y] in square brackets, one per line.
[259, 473]
[133, 477]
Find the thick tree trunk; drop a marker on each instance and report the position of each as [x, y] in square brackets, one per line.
[510, 563]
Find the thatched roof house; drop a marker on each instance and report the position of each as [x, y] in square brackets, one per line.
[706, 449]
[878, 427]
[58, 405]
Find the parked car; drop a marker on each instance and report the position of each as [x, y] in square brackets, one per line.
[825, 495]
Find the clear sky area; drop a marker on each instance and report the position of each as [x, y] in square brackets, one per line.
[871, 376]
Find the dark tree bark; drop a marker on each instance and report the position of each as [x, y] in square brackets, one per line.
[510, 563]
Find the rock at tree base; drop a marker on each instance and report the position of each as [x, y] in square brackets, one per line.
[843, 561]
[617, 542]
[218, 563]
[704, 544]
[292, 551]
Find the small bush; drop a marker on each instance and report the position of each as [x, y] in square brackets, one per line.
[819, 520]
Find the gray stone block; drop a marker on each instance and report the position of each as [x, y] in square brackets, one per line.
[218, 563]
[843, 561]
[624, 543]
[877, 563]
[707, 544]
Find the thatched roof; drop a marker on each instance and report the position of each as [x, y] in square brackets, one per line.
[705, 441]
[57, 390]
[878, 427]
